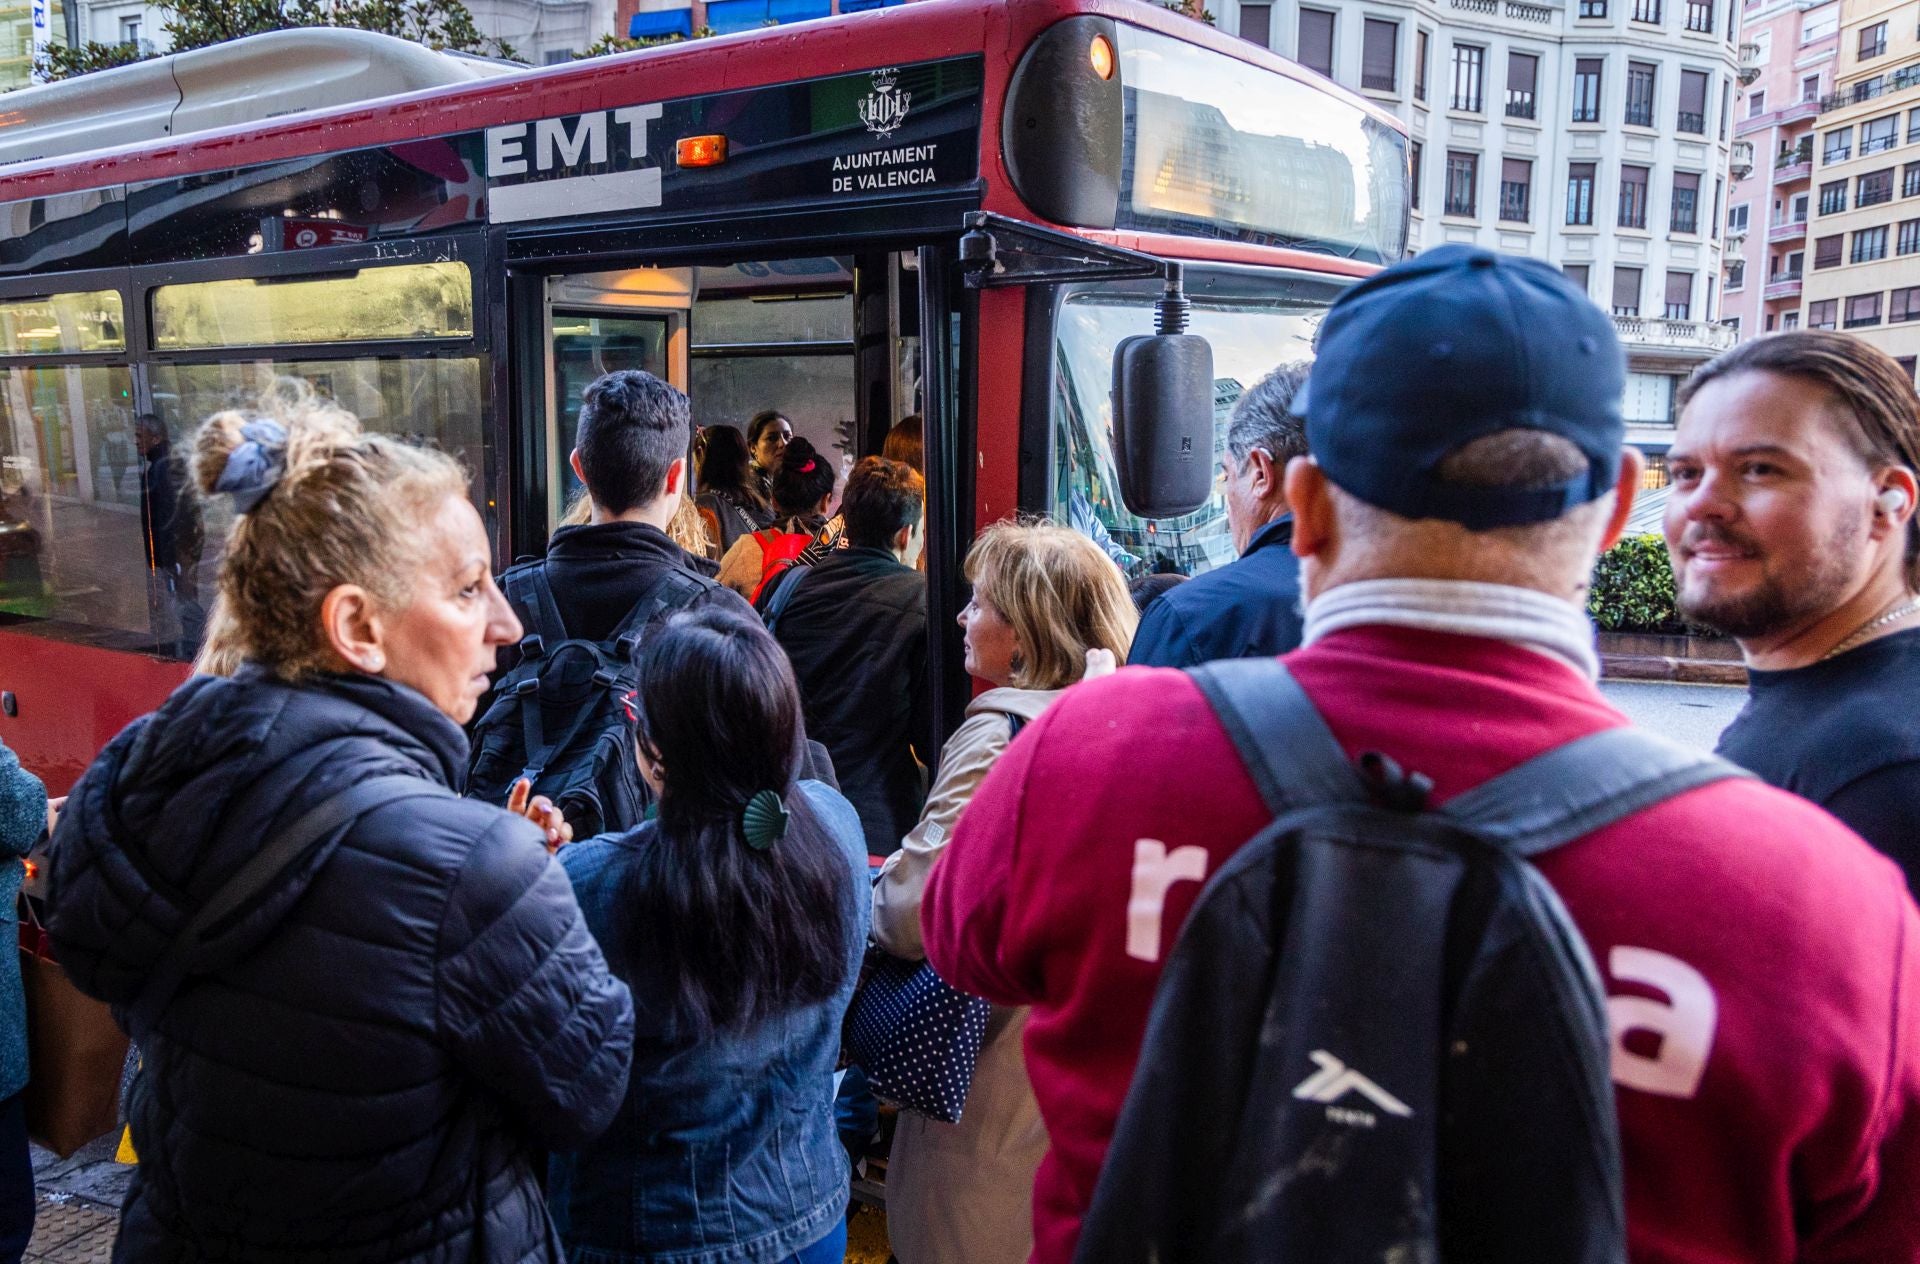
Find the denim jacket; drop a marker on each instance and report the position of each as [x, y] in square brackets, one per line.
[724, 1152]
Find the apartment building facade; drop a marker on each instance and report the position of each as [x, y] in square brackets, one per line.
[1595, 134]
[1863, 237]
[1790, 60]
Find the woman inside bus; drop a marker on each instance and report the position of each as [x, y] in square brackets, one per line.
[728, 489]
[364, 1064]
[906, 441]
[1048, 609]
[768, 435]
[802, 489]
[739, 917]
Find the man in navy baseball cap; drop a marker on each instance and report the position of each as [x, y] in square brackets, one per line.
[1446, 349]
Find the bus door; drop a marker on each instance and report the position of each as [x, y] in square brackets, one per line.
[595, 323]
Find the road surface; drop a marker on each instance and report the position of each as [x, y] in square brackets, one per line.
[1693, 714]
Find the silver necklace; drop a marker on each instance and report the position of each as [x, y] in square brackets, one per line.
[1859, 634]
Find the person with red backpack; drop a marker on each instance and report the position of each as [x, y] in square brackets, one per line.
[802, 488]
[1750, 964]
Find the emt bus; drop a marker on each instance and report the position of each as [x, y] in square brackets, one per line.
[955, 208]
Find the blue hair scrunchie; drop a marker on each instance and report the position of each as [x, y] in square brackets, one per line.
[255, 466]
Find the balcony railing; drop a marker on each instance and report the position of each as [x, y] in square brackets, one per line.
[1674, 335]
[1782, 285]
[1792, 230]
[1536, 13]
[1741, 162]
[1867, 90]
[1520, 109]
[1877, 144]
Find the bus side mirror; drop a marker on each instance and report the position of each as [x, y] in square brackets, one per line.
[1163, 423]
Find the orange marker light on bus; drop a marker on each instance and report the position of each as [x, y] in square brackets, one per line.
[1101, 55]
[700, 151]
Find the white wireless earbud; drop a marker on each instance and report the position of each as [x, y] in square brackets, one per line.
[1891, 501]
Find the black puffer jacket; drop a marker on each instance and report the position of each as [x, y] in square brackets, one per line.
[369, 1054]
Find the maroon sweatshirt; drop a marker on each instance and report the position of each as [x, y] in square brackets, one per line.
[1759, 959]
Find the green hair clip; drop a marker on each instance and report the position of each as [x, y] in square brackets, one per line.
[765, 820]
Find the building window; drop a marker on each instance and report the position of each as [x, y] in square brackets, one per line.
[1833, 197]
[1578, 273]
[1626, 291]
[1726, 99]
[1516, 189]
[1633, 197]
[1913, 126]
[1586, 89]
[1756, 104]
[1810, 89]
[1839, 145]
[1826, 251]
[1580, 194]
[1523, 72]
[1256, 24]
[1733, 323]
[1736, 275]
[1788, 323]
[1908, 242]
[1380, 55]
[1679, 296]
[1910, 180]
[1797, 213]
[1415, 151]
[1903, 306]
[1879, 134]
[1863, 309]
[1906, 364]
[1718, 189]
[1700, 16]
[1874, 188]
[1693, 102]
[1420, 66]
[1463, 178]
[1822, 315]
[1873, 40]
[1316, 40]
[130, 30]
[1640, 94]
[1646, 11]
[1468, 66]
[1792, 268]
[1686, 202]
[1593, 8]
[1738, 218]
[1870, 245]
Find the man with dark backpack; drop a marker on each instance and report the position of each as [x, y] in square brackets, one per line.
[559, 712]
[1436, 999]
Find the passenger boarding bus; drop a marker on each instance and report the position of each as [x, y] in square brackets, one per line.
[956, 208]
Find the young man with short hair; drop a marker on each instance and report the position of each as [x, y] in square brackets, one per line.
[855, 628]
[1759, 959]
[1791, 527]
[1249, 608]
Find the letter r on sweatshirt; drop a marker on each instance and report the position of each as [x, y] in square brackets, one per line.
[1155, 870]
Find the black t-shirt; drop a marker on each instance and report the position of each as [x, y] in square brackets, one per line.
[1844, 733]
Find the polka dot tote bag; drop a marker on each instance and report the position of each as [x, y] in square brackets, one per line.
[917, 1038]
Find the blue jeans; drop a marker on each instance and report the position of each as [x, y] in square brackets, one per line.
[831, 1249]
[16, 1182]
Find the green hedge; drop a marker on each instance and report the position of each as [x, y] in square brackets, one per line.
[1633, 589]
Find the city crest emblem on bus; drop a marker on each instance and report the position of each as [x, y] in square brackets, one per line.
[885, 108]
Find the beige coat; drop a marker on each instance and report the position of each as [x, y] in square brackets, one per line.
[962, 1193]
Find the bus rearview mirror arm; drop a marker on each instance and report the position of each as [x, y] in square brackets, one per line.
[1163, 412]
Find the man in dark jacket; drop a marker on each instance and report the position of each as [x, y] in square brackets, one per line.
[856, 631]
[632, 455]
[1249, 608]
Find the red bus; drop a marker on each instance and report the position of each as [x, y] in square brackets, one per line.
[953, 208]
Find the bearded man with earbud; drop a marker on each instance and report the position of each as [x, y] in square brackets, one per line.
[1791, 526]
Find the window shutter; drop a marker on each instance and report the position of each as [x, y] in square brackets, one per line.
[1256, 24]
[1316, 40]
[1516, 171]
[1626, 289]
[1693, 92]
[1679, 289]
[1379, 45]
[1522, 72]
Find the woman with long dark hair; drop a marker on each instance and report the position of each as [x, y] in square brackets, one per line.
[768, 435]
[802, 488]
[728, 489]
[738, 917]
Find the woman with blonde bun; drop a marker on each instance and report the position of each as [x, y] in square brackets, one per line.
[364, 1004]
[1049, 609]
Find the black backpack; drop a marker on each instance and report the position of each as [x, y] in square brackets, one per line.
[1379, 1035]
[562, 717]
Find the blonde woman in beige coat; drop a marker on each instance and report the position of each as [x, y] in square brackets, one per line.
[1048, 609]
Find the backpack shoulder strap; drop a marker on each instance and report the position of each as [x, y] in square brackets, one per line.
[673, 589]
[790, 580]
[1585, 785]
[531, 596]
[1289, 751]
[265, 867]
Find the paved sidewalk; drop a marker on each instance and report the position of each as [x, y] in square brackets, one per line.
[79, 1204]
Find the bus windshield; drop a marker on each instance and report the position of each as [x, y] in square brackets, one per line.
[1250, 338]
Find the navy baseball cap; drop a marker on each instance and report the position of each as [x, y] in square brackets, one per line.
[1450, 346]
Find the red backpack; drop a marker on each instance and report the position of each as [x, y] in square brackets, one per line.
[779, 550]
